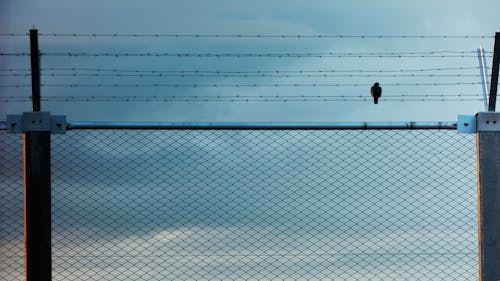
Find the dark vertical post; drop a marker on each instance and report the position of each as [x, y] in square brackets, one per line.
[37, 214]
[35, 70]
[494, 74]
[488, 157]
[37, 220]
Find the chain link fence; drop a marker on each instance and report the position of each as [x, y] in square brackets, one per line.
[11, 207]
[252, 205]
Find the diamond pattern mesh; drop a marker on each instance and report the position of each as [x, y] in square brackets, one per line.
[254, 205]
[11, 207]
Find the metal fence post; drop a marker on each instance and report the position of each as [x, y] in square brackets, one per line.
[37, 220]
[488, 155]
[494, 74]
[35, 70]
[37, 205]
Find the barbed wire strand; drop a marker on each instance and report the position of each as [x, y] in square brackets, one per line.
[267, 96]
[429, 54]
[257, 36]
[114, 70]
[233, 55]
[28, 75]
[175, 85]
[251, 98]
[138, 99]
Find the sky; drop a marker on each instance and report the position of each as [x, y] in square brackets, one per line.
[236, 205]
[228, 204]
[256, 17]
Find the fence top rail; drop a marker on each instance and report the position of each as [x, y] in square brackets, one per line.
[91, 125]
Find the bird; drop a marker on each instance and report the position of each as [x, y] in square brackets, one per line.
[376, 92]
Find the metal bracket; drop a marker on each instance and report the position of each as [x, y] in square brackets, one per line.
[488, 122]
[13, 124]
[466, 124]
[36, 122]
[58, 124]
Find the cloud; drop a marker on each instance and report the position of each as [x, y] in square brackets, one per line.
[143, 192]
[226, 199]
[239, 252]
[317, 17]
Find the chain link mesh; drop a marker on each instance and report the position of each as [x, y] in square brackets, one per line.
[239, 205]
[11, 207]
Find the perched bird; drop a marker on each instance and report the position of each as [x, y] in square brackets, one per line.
[376, 92]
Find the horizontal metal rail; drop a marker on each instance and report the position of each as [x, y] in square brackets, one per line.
[260, 125]
[90, 125]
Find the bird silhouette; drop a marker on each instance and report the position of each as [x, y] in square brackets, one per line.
[376, 92]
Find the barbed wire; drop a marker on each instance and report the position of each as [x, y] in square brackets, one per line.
[114, 70]
[22, 54]
[236, 75]
[258, 36]
[428, 54]
[269, 96]
[412, 95]
[243, 55]
[243, 98]
[195, 85]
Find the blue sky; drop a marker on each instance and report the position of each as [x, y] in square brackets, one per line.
[203, 189]
[256, 17]
[234, 205]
